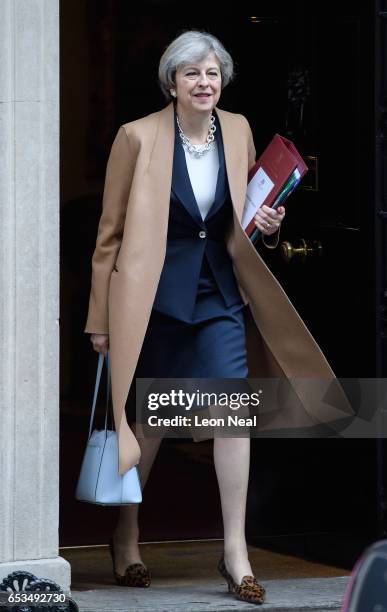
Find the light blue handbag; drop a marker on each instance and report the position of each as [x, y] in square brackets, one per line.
[99, 481]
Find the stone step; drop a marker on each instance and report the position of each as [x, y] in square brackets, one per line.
[310, 594]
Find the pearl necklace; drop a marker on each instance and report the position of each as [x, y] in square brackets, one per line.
[198, 150]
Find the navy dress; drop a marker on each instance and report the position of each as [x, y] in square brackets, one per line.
[196, 328]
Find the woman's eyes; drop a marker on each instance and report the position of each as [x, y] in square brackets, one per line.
[210, 74]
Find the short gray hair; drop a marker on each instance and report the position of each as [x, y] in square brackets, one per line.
[192, 46]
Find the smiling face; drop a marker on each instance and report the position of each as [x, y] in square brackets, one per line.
[198, 85]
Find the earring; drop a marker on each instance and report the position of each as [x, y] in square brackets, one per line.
[173, 93]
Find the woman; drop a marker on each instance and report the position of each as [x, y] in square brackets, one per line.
[177, 288]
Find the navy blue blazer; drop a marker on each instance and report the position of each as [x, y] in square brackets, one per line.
[196, 253]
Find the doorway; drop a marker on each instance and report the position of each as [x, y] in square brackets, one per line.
[303, 72]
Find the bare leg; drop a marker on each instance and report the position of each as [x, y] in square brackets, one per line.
[232, 463]
[126, 534]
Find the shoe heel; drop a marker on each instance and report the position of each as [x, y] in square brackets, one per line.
[229, 579]
[111, 550]
[136, 575]
[249, 590]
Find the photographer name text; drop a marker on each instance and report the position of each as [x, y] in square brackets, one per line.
[197, 421]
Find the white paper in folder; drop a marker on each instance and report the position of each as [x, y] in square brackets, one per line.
[257, 191]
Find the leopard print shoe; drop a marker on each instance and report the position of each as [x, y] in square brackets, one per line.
[136, 574]
[248, 590]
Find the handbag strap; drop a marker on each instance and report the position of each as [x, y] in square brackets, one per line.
[96, 389]
[108, 387]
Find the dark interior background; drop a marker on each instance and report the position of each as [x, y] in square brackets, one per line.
[304, 494]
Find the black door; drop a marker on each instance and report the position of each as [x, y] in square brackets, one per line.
[323, 494]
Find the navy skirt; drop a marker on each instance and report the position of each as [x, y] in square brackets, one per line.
[212, 345]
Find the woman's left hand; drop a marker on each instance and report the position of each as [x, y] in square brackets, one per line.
[268, 220]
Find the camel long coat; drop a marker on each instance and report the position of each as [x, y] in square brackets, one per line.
[129, 255]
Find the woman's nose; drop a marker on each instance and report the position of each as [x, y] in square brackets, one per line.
[203, 79]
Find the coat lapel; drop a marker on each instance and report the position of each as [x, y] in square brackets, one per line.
[161, 158]
[140, 261]
[236, 161]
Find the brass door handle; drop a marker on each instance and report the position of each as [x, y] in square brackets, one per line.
[303, 250]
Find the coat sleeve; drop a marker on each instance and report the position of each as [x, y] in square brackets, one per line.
[118, 180]
[273, 238]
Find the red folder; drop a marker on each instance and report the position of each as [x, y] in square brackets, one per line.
[277, 162]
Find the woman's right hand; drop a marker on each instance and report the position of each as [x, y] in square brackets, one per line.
[100, 342]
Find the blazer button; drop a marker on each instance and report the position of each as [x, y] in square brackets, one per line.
[202, 234]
